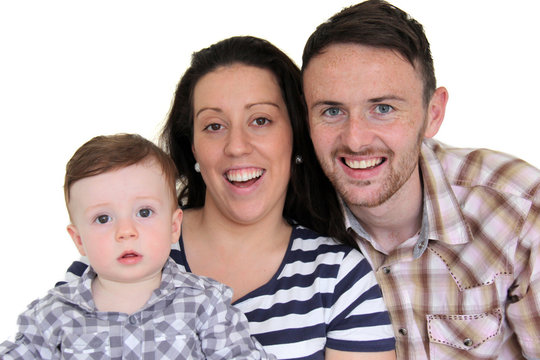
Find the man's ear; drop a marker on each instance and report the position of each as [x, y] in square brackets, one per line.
[176, 225]
[76, 237]
[435, 112]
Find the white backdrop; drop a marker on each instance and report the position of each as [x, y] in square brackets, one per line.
[72, 69]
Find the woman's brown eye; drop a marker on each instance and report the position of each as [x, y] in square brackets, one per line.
[261, 121]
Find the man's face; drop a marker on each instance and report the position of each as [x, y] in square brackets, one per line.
[367, 120]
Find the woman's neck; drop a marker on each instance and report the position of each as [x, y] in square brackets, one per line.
[242, 256]
[222, 229]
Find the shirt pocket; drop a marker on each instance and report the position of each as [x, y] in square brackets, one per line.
[476, 336]
[80, 346]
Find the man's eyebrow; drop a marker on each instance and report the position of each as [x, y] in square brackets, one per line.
[326, 103]
[372, 101]
[386, 98]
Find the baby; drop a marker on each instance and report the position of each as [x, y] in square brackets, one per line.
[132, 302]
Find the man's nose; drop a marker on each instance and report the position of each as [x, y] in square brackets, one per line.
[357, 133]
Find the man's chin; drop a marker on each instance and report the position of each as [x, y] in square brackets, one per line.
[366, 196]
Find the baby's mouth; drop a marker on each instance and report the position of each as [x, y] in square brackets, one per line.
[363, 164]
[129, 255]
[244, 177]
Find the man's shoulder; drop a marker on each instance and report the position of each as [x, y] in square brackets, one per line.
[478, 167]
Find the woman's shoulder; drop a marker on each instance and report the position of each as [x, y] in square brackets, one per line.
[306, 238]
[308, 241]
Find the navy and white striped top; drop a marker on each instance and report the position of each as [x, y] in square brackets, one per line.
[324, 294]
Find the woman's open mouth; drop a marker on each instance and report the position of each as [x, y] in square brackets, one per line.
[244, 177]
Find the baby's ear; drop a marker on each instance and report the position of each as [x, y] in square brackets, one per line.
[176, 225]
[76, 237]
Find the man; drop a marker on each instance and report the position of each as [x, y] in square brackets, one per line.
[452, 234]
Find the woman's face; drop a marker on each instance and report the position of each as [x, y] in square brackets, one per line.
[242, 139]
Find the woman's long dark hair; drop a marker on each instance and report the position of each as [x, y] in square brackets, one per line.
[311, 200]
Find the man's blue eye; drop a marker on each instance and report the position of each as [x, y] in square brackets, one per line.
[384, 109]
[145, 213]
[103, 219]
[334, 111]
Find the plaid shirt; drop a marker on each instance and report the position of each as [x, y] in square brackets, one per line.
[468, 286]
[188, 317]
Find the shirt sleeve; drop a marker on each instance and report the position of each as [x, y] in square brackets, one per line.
[523, 312]
[360, 321]
[224, 329]
[30, 342]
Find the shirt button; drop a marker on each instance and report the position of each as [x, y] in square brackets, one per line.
[386, 270]
[467, 342]
[403, 331]
[132, 320]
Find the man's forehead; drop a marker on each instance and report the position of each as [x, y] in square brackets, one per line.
[344, 67]
[339, 54]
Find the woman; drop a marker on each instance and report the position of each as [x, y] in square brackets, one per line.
[238, 136]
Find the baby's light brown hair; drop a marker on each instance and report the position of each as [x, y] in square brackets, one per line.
[102, 154]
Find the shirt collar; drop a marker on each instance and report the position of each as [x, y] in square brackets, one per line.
[79, 293]
[446, 220]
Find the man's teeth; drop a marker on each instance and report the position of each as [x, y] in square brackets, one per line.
[363, 164]
[243, 174]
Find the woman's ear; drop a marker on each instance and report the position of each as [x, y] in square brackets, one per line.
[435, 111]
[76, 237]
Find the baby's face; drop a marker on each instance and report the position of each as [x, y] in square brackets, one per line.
[125, 221]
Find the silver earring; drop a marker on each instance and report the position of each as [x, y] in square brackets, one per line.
[298, 159]
[197, 167]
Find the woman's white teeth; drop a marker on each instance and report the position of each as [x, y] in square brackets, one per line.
[243, 174]
[363, 164]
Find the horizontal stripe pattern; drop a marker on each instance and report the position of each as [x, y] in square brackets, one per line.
[324, 294]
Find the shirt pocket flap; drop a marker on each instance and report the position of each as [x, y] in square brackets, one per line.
[85, 343]
[164, 331]
[464, 331]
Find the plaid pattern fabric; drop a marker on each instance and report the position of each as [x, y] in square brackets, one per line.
[188, 317]
[468, 286]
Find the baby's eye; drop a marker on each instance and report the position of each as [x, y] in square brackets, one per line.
[333, 111]
[261, 121]
[103, 219]
[383, 109]
[144, 213]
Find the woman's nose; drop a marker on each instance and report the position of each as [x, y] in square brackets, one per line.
[238, 142]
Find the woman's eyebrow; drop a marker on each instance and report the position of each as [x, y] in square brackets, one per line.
[208, 109]
[262, 103]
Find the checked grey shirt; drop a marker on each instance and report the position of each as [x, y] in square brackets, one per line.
[188, 317]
